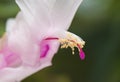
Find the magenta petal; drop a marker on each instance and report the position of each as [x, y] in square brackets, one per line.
[82, 54]
[44, 50]
[12, 59]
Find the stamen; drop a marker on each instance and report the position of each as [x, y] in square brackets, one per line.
[71, 41]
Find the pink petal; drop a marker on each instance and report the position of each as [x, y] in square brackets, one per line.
[9, 58]
[19, 73]
[44, 51]
[2, 61]
[13, 60]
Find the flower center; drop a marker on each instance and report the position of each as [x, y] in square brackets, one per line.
[71, 41]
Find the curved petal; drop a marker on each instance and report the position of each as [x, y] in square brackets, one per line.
[20, 40]
[63, 12]
[50, 13]
[35, 11]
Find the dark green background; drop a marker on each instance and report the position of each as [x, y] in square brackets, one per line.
[98, 23]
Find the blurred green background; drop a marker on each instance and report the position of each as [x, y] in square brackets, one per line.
[98, 23]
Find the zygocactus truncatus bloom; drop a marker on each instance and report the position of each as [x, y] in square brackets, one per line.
[33, 37]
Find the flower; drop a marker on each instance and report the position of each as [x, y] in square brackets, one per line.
[33, 37]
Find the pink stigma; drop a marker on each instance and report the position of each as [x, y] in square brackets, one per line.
[82, 54]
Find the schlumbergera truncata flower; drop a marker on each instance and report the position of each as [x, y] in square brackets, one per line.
[33, 37]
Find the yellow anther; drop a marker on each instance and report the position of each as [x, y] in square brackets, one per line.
[72, 42]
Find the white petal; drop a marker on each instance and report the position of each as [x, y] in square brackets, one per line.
[18, 74]
[21, 41]
[50, 13]
[63, 12]
[35, 11]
